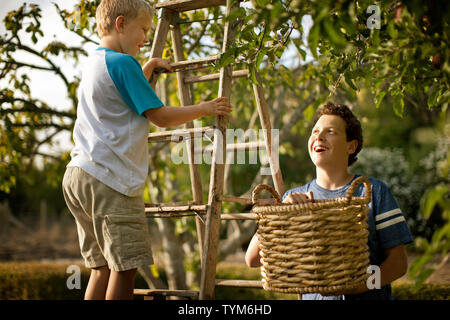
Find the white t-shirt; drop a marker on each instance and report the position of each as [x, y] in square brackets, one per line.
[110, 132]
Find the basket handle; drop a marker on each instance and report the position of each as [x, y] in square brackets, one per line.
[361, 179]
[260, 187]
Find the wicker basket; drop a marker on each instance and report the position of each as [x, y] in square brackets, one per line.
[315, 247]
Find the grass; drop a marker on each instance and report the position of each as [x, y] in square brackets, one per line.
[47, 281]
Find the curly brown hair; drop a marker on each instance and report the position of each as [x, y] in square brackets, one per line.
[353, 128]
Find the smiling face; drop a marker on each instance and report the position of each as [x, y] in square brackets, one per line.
[133, 33]
[328, 146]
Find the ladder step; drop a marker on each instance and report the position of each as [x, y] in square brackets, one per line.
[239, 283]
[237, 199]
[186, 5]
[238, 216]
[201, 62]
[149, 208]
[256, 145]
[215, 76]
[177, 135]
[162, 294]
[177, 214]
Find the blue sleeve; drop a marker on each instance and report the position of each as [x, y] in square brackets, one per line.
[127, 75]
[391, 227]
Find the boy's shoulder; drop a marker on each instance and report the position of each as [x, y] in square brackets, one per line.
[378, 185]
[114, 58]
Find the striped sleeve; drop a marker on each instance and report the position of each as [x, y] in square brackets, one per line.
[390, 223]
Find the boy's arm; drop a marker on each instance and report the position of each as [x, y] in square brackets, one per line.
[252, 257]
[395, 265]
[174, 116]
[153, 64]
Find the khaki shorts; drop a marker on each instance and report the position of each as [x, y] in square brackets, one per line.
[112, 229]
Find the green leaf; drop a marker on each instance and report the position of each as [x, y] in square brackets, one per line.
[379, 97]
[298, 43]
[431, 198]
[336, 37]
[253, 74]
[309, 112]
[441, 233]
[260, 56]
[433, 94]
[349, 80]
[392, 31]
[226, 58]
[313, 39]
[399, 105]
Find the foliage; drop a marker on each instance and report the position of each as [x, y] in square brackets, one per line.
[42, 281]
[39, 281]
[435, 201]
[403, 54]
[28, 123]
[391, 166]
[432, 291]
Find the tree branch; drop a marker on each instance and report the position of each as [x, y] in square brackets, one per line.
[42, 126]
[54, 67]
[197, 40]
[23, 64]
[33, 108]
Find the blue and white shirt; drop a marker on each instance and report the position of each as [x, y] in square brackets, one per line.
[386, 223]
[110, 132]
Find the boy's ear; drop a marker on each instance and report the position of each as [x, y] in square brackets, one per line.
[120, 22]
[352, 145]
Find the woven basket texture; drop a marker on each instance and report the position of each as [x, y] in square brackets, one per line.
[314, 247]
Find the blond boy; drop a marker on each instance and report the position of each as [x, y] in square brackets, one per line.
[104, 180]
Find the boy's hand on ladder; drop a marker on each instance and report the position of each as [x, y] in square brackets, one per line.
[216, 107]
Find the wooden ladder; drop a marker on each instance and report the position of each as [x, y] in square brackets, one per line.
[208, 231]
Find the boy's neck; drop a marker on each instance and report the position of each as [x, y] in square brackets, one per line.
[333, 179]
[110, 42]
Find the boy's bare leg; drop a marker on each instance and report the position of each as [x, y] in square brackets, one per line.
[98, 283]
[121, 285]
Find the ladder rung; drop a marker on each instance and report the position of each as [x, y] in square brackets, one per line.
[238, 216]
[177, 135]
[237, 199]
[194, 62]
[236, 146]
[178, 208]
[186, 5]
[214, 76]
[223, 216]
[239, 283]
[166, 293]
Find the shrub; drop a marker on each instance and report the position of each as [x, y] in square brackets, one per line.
[391, 166]
[42, 281]
[38, 281]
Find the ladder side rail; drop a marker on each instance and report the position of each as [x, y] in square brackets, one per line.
[264, 116]
[211, 246]
[159, 41]
[186, 99]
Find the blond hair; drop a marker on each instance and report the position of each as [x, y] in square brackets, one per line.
[109, 10]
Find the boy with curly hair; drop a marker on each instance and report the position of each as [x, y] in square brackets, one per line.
[335, 141]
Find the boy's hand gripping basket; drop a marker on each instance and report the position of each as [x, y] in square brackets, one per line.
[315, 247]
